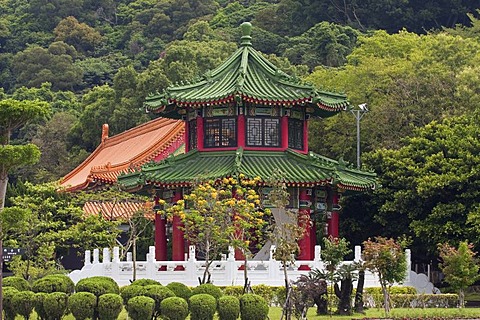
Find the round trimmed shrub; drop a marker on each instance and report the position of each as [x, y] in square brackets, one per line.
[174, 308]
[109, 306]
[39, 309]
[208, 288]
[82, 305]
[157, 293]
[55, 305]
[228, 308]
[140, 308]
[253, 307]
[145, 282]
[202, 306]
[18, 283]
[54, 283]
[8, 306]
[130, 291]
[23, 303]
[97, 285]
[180, 290]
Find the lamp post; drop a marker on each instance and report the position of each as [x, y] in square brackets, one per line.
[358, 113]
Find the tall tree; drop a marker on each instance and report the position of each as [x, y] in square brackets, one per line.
[13, 115]
[460, 267]
[430, 183]
[385, 258]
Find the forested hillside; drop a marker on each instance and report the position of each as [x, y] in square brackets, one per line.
[412, 62]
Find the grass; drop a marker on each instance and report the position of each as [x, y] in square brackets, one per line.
[276, 312]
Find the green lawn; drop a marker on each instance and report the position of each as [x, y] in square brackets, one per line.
[275, 313]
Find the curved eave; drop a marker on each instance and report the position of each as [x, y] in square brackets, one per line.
[249, 77]
[300, 170]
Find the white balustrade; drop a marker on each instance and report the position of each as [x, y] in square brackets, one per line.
[224, 272]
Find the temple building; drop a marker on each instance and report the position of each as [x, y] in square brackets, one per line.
[151, 141]
[248, 117]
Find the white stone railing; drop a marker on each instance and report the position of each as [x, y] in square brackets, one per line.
[224, 272]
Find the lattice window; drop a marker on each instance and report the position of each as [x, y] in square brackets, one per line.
[295, 134]
[263, 132]
[220, 132]
[192, 134]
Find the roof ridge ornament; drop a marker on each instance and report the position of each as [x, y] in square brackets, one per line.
[246, 34]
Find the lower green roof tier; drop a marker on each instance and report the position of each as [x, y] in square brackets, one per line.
[298, 169]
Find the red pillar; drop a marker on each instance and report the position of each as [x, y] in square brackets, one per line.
[200, 133]
[305, 136]
[284, 132]
[304, 216]
[178, 241]
[160, 238]
[185, 136]
[241, 131]
[334, 220]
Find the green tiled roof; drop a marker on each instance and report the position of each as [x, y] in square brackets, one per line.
[299, 169]
[247, 76]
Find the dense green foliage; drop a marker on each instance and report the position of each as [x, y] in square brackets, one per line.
[174, 308]
[97, 285]
[140, 307]
[202, 306]
[55, 305]
[228, 308]
[253, 307]
[54, 283]
[16, 282]
[180, 290]
[109, 306]
[82, 305]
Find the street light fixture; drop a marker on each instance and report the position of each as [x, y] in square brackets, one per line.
[358, 113]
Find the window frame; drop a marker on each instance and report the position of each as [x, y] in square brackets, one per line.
[233, 140]
[263, 143]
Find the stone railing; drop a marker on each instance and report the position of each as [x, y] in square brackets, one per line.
[224, 272]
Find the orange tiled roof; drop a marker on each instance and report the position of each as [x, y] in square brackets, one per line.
[154, 140]
[118, 210]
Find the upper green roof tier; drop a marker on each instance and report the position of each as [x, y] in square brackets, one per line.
[299, 169]
[246, 77]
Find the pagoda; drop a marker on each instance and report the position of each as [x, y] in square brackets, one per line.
[248, 117]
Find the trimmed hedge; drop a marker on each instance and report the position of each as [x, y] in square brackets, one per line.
[157, 293]
[202, 306]
[228, 308]
[23, 303]
[55, 305]
[414, 300]
[17, 282]
[253, 307]
[39, 309]
[180, 290]
[54, 283]
[145, 282]
[8, 306]
[82, 305]
[97, 285]
[109, 306]
[208, 288]
[130, 291]
[174, 308]
[140, 308]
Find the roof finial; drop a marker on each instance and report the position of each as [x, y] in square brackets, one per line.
[246, 31]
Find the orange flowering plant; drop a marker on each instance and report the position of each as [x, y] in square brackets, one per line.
[221, 213]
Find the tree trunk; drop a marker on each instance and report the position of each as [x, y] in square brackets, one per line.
[344, 296]
[461, 298]
[322, 304]
[386, 298]
[359, 293]
[134, 258]
[287, 306]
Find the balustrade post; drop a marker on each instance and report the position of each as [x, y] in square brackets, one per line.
[358, 254]
[106, 255]
[88, 258]
[96, 256]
